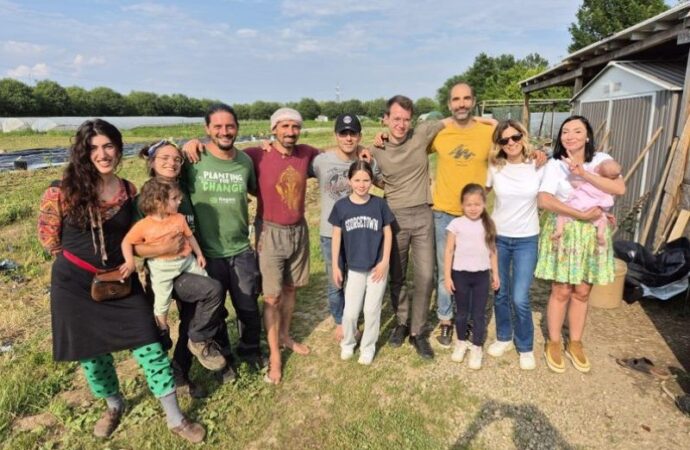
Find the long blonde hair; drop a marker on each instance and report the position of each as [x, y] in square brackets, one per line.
[498, 157]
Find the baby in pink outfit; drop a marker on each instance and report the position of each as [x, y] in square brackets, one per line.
[585, 196]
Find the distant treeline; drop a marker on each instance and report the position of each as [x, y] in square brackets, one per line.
[48, 98]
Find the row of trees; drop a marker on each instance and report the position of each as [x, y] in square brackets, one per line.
[48, 98]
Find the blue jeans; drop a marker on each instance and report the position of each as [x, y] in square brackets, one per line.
[336, 295]
[444, 302]
[521, 253]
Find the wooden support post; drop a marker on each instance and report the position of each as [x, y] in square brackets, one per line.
[525, 112]
[577, 87]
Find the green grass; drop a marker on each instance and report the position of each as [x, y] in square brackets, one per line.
[322, 403]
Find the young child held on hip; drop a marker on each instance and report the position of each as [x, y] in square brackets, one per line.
[362, 239]
[159, 201]
[471, 265]
[585, 196]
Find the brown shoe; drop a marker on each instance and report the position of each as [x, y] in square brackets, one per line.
[106, 425]
[554, 356]
[191, 431]
[576, 354]
[207, 353]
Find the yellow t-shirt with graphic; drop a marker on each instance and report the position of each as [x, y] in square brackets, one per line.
[462, 158]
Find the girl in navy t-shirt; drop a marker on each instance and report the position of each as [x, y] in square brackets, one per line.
[362, 234]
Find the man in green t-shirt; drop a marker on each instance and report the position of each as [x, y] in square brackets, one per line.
[218, 185]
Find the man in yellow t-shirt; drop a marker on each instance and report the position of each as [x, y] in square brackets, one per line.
[462, 149]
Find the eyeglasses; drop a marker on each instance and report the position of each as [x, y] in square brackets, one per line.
[170, 159]
[515, 138]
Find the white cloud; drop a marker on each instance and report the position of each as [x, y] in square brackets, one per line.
[80, 61]
[22, 48]
[247, 33]
[332, 7]
[38, 71]
[154, 9]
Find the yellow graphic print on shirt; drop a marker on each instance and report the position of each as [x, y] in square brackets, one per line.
[289, 187]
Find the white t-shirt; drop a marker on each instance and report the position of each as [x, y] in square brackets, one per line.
[516, 186]
[558, 179]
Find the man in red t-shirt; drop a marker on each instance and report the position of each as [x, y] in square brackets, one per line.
[282, 233]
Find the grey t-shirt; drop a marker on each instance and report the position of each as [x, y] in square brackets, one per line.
[404, 167]
[331, 171]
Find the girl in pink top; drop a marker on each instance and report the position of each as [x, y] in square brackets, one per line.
[470, 263]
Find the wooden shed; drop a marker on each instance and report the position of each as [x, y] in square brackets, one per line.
[628, 102]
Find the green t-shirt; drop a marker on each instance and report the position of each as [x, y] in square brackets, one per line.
[218, 190]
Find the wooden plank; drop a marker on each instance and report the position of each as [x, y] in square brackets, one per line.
[667, 230]
[643, 153]
[679, 227]
[651, 212]
[603, 144]
[674, 179]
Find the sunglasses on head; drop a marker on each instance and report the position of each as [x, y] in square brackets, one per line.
[515, 138]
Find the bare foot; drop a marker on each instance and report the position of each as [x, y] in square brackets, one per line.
[274, 374]
[338, 333]
[297, 347]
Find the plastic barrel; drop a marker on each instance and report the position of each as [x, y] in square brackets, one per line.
[609, 296]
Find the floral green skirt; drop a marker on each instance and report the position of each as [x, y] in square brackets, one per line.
[576, 257]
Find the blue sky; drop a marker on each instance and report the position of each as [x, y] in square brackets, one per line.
[239, 51]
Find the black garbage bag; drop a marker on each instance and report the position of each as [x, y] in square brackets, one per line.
[669, 265]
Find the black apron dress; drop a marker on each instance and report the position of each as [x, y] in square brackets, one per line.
[83, 328]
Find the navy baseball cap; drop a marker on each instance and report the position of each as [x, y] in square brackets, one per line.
[347, 122]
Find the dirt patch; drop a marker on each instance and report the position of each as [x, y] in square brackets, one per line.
[76, 398]
[30, 423]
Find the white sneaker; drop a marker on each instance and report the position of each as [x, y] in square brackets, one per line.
[459, 351]
[346, 353]
[498, 348]
[527, 361]
[365, 359]
[475, 362]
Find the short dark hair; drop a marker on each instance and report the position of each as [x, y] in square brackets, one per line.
[358, 165]
[405, 103]
[154, 195]
[216, 107]
[558, 150]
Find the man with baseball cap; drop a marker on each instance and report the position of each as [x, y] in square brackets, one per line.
[330, 169]
[282, 233]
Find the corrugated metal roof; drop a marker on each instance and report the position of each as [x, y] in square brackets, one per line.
[669, 74]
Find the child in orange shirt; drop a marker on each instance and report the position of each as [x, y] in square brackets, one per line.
[163, 224]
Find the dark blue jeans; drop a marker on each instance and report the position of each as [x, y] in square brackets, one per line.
[336, 295]
[517, 259]
[471, 294]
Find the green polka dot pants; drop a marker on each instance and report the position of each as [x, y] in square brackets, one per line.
[102, 378]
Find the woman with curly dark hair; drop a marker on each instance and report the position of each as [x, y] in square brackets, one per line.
[82, 221]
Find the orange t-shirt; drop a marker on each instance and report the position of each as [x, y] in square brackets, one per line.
[153, 231]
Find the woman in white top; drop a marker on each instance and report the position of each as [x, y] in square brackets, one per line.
[576, 261]
[515, 179]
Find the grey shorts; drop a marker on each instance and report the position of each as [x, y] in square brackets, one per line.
[283, 256]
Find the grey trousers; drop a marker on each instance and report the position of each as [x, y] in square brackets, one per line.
[413, 231]
[362, 292]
